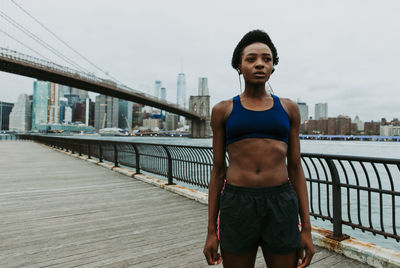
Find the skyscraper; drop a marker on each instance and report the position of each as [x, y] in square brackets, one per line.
[157, 87]
[181, 90]
[106, 112]
[125, 114]
[41, 90]
[5, 110]
[163, 94]
[303, 107]
[21, 114]
[203, 86]
[321, 111]
[66, 90]
[54, 104]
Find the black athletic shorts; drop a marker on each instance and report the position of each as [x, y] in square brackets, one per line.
[266, 216]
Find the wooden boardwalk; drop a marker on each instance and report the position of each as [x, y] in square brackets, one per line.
[60, 211]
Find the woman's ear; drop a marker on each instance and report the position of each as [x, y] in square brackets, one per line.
[238, 69]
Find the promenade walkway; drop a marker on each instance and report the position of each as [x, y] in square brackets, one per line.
[60, 211]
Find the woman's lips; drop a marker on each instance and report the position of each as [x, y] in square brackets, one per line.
[259, 74]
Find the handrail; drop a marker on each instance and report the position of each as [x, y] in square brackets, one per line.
[360, 192]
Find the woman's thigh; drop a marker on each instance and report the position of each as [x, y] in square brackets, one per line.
[278, 261]
[247, 260]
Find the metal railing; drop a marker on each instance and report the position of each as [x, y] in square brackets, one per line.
[7, 137]
[360, 192]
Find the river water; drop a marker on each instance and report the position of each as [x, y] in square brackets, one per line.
[354, 148]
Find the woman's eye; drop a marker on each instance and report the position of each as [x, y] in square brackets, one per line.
[250, 59]
[267, 59]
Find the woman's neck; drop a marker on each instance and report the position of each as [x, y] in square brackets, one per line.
[255, 91]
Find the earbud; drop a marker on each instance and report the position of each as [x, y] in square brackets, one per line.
[238, 70]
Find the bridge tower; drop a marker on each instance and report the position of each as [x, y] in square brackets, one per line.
[201, 106]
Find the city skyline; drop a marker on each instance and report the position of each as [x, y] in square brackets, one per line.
[338, 58]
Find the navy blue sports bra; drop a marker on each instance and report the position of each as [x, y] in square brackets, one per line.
[243, 123]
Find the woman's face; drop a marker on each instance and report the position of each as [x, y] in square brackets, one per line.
[256, 64]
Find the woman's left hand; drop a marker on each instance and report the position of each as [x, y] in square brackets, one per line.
[306, 252]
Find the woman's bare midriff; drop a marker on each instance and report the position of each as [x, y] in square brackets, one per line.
[257, 162]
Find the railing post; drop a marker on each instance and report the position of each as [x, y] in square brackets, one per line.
[337, 201]
[170, 178]
[137, 158]
[115, 155]
[80, 149]
[88, 147]
[100, 153]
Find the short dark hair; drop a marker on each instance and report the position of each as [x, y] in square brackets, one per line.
[255, 36]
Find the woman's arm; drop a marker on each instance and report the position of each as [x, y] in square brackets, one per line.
[216, 182]
[298, 181]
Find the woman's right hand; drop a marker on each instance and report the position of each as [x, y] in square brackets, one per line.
[211, 249]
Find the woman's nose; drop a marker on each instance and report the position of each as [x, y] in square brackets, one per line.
[260, 63]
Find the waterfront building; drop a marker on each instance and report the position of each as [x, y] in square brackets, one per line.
[163, 94]
[372, 128]
[83, 94]
[137, 115]
[72, 99]
[343, 125]
[21, 114]
[157, 88]
[112, 112]
[203, 86]
[77, 128]
[63, 103]
[152, 123]
[106, 112]
[181, 90]
[90, 118]
[83, 112]
[79, 112]
[303, 108]
[389, 130]
[41, 90]
[340, 125]
[171, 121]
[321, 111]
[359, 123]
[125, 114]
[66, 90]
[54, 104]
[67, 115]
[5, 110]
[317, 126]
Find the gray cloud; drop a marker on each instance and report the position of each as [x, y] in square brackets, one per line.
[342, 52]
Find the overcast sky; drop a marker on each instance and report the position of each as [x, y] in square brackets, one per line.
[345, 52]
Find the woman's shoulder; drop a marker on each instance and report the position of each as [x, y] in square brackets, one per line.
[289, 105]
[223, 108]
[287, 101]
[223, 105]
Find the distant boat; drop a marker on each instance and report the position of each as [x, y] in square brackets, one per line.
[112, 131]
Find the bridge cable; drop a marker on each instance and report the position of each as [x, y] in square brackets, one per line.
[62, 41]
[16, 40]
[40, 41]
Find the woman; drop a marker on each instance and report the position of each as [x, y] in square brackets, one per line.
[257, 205]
